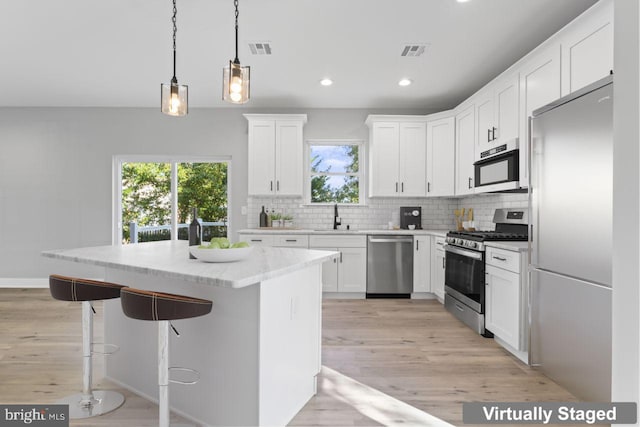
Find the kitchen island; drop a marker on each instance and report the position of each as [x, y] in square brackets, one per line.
[257, 352]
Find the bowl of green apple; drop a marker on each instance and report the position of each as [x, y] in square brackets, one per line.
[219, 249]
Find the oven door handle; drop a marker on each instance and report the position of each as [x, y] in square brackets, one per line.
[463, 252]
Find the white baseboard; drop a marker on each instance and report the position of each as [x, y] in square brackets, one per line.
[24, 282]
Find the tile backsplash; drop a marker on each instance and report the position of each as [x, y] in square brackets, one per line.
[437, 213]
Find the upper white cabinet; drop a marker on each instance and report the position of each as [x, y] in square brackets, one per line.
[539, 85]
[587, 48]
[441, 156]
[465, 150]
[397, 155]
[275, 154]
[497, 114]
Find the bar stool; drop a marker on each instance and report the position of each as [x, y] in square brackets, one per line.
[89, 403]
[162, 307]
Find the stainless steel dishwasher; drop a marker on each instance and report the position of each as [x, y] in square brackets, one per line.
[389, 266]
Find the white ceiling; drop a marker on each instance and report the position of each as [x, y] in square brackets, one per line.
[117, 52]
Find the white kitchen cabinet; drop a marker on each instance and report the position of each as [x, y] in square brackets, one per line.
[502, 299]
[397, 155]
[422, 264]
[275, 240]
[437, 268]
[497, 114]
[275, 154]
[441, 157]
[348, 273]
[539, 85]
[587, 48]
[465, 151]
[506, 299]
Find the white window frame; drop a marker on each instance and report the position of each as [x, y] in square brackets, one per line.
[116, 192]
[361, 169]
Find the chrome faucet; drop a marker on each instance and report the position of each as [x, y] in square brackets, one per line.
[336, 218]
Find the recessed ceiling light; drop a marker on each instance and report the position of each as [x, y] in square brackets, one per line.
[326, 82]
[404, 82]
[462, 1]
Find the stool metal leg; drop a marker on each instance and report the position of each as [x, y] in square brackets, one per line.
[90, 403]
[163, 376]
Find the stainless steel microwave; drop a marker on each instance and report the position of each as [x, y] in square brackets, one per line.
[499, 172]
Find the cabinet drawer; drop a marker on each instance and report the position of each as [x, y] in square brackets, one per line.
[508, 260]
[291, 240]
[340, 241]
[438, 243]
[256, 239]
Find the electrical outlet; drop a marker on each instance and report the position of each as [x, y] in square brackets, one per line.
[243, 210]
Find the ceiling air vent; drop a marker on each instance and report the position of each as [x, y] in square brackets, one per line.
[260, 48]
[414, 49]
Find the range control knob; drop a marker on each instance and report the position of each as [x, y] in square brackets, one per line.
[473, 244]
[460, 242]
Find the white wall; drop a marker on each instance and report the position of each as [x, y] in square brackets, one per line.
[56, 167]
[626, 208]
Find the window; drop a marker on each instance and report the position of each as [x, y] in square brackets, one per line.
[334, 172]
[155, 197]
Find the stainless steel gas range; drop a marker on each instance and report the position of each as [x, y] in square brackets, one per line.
[464, 277]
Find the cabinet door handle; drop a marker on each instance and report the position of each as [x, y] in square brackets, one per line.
[488, 135]
[335, 260]
[291, 240]
[469, 182]
[417, 245]
[428, 187]
[499, 258]
[443, 263]
[396, 187]
[493, 133]
[340, 257]
[402, 186]
[256, 240]
[278, 185]
[271, 184]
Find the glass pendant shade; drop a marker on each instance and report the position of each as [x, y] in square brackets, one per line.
[235, 83]
[174, 99]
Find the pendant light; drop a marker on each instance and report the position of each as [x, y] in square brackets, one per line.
[235, 78]
[174, 98]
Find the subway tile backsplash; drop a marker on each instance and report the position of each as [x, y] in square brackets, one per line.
[437, 213]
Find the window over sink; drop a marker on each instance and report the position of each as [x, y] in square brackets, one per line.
[334, 172]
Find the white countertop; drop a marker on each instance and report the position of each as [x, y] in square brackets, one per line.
[339, 232]
[509, 246]
[171, 259]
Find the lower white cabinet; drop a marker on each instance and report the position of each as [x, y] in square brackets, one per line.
[506, 299]
[276, 240]
[437, 268]
[502, 299]
[348, 272]
[422, 264]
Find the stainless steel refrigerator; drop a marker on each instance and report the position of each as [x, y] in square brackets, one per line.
[570, 196]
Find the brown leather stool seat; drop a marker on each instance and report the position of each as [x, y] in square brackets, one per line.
[88, 403]
[75, 289]
[148, 305]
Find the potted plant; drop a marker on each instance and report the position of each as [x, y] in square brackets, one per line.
[276, 220]
[287, 221]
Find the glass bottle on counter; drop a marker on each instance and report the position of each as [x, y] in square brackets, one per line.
[195, 231]
[263, 218]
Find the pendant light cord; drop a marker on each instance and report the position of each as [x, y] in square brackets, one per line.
[235, 3]
[175, 29]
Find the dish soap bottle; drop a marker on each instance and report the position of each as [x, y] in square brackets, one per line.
[195, 231]
[263, 218]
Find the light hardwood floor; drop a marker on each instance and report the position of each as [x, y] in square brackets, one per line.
[408, 355]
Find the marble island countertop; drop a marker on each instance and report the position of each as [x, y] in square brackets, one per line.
[171, 259]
